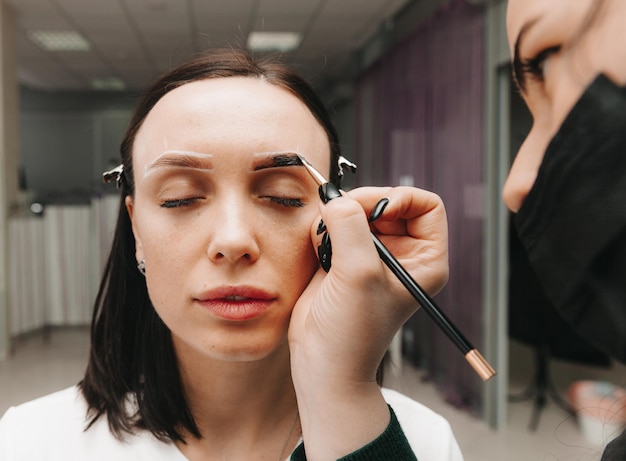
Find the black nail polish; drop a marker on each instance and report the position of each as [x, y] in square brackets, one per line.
[321, 227]
[325, 252]
[378, 209]
[328, 191]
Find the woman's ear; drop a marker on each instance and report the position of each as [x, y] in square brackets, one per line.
[130, 204]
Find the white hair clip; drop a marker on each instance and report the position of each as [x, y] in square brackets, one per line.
[344, 162]
[116, 174]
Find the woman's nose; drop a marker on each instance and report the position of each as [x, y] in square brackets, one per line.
[233, 238]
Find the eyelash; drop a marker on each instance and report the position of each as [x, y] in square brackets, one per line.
[286, 202]
[185, 202]
[179, 203]
[534, 66]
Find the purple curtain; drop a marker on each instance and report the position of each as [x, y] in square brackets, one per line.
[419, 120]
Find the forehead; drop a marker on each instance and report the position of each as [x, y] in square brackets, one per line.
[553, 20]
[522, 12]
[230, 112]
[515, 17]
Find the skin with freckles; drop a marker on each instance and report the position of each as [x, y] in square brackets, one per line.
[220, 219]
[227, 234]
[226, 217]
[562, 45]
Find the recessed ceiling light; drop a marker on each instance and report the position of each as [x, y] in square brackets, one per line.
[59, 40]
[274, 41]
[108, 84]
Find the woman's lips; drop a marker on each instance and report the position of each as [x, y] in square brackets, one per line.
[236, 303]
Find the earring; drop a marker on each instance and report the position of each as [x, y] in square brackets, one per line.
[141, 265]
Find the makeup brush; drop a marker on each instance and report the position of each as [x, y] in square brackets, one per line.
[475, 359]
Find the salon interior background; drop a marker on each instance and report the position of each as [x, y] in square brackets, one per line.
[419, 89]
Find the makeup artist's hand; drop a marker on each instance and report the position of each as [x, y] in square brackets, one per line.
[345, 320]
[414, 228]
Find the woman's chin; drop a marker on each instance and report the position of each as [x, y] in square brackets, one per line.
[249, 347]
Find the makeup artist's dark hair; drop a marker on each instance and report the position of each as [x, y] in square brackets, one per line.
[131, 354]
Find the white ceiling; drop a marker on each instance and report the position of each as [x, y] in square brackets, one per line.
[133, 40]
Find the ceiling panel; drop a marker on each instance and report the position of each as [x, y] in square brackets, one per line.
[86, 8]
[269, 9]
[136, 39]
[353, 8]
[49, 76]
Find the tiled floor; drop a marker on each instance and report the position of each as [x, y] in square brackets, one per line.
[38, 367]
[557, 436]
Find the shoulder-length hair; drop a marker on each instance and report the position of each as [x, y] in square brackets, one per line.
[132, 358]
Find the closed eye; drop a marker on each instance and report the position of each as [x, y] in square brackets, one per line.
[179, 203]
[286, 202]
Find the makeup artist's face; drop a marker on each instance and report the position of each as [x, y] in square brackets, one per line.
[562, 55]
[222, 220]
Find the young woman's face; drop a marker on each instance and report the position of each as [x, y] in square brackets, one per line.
[561, 55]
[221, 217]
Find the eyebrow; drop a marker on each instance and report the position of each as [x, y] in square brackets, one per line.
[519, 76]
[278, 160]
[181, 159]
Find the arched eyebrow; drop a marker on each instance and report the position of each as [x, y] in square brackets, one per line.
[181, 159]
[277, 160]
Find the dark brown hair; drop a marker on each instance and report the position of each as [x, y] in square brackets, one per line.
[132, 356]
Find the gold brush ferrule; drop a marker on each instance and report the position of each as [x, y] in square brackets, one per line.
[480, 365]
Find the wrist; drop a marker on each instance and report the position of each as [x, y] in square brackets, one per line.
[340, 417]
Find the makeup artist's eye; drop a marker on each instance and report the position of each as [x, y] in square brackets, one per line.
[179, 203]
[285, 201]
[535, 66]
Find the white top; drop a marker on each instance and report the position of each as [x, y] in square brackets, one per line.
[51, 428]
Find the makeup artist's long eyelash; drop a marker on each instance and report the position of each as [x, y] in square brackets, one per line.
[286, 202]
[534, 66]
[183, 202]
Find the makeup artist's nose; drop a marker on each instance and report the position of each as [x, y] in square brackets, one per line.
[516, 187]
[232, 237]
[524, 169]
